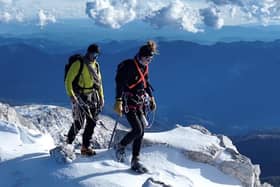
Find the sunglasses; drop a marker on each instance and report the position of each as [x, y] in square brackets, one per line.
[148, 57]
[93, 55]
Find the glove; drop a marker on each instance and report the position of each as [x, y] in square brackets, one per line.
[118, 107]
[153, 105]
[73, 99]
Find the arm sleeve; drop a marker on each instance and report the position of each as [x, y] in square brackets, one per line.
[101, 93]
[71, 74]
[120, 80]
[149, 88]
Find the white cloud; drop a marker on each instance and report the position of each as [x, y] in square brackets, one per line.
[176, 14]
[108, 14]
[265, 11]
[19, 16]
[233, 11]
[5, 2]
[115, 14]
[45, 18]
[212, 17]
[188, 15]
[27, 10]
[227, 2]
[5, 17]
[8, 12]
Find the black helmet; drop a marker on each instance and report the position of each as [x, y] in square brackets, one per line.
[93, 48]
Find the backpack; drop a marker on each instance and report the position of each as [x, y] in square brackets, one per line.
[71, 60]
[121, 67]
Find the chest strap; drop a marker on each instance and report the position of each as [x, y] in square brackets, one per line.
[142, 76]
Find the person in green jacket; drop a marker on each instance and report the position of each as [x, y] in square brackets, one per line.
[84, 87]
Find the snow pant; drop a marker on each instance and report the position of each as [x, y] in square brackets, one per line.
[83, 113]
[137, 132]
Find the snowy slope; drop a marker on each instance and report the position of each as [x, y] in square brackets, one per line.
[17, 140]
[25, 161]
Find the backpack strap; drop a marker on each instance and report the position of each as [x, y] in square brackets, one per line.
[94, 73]
[81, 67]
[76, 80]
[142, 76]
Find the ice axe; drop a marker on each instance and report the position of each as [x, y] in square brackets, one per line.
[113, 133]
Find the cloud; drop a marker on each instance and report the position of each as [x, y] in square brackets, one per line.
[15, 15]
[5, 2]
[45, 18]
[5, 17]
[227, 2]
[233, 11]
[19, 16]
[8, 12]
[265, 11]
[30, 10]
[211, 17]
[115, 14]
[176, 14]
[187, 15]
[108, 14]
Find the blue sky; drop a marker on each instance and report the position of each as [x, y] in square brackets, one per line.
[180, 16]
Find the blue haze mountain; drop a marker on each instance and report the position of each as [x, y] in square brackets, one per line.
[228, 87]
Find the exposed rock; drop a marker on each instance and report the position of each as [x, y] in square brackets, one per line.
[223, 155]
[150, 182]
[203, 130]
[49, 119]
[226, 142]
[57, 121]
[216, 150]
[9, 114]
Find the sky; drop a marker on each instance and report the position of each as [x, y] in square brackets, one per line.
[187, 15]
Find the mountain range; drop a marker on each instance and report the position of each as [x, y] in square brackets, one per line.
[228, 87]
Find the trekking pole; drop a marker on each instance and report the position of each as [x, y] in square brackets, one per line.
[113, 133]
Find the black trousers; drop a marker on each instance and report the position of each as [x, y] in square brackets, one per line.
[81, 114]
[136, 134]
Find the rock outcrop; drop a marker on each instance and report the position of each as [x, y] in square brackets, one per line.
[57, 121]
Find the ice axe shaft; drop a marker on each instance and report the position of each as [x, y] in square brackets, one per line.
[113, 133]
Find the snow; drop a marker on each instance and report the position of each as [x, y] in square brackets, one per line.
[25, 161]
[17, 140]
[223, 156]
[184, 138]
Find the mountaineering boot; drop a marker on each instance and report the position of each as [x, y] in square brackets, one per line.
[86, 151]
[137, 166]
[120, 152]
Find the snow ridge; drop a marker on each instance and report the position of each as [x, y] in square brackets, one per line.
[185, 156]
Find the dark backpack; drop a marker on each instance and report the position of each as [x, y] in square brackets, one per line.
[71, 60]
[121, 66]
